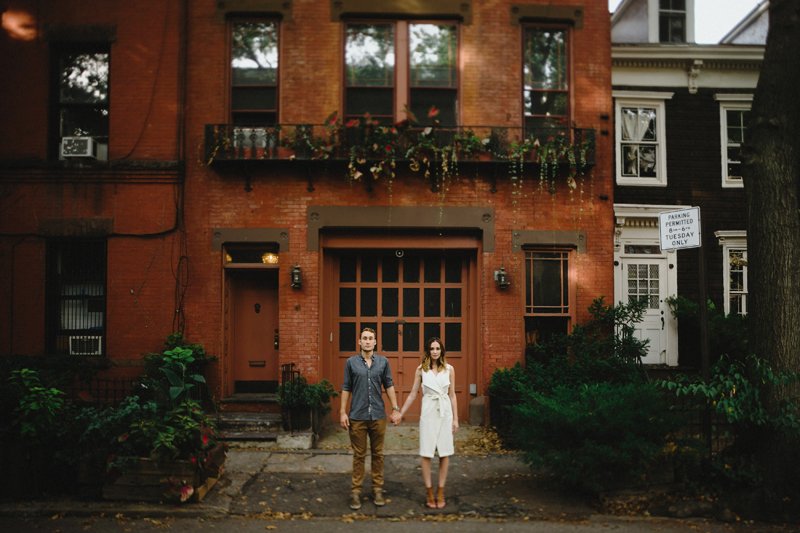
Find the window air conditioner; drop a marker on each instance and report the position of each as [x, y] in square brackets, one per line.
[86, 345]
[78, 147]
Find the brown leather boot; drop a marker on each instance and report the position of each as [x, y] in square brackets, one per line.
[431, 503]
[440, 503]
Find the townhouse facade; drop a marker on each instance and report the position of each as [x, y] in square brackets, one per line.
[681, 113]
[269, 177]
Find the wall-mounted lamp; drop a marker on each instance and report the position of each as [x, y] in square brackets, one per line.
[501, 278]
[297, 277]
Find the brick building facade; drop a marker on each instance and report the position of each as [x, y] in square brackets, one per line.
[203, 223]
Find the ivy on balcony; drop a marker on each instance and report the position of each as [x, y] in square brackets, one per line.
[371, 151]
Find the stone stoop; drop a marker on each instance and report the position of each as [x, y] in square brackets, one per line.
[256, 419]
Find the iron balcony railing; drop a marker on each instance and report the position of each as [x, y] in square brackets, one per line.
[364, 141]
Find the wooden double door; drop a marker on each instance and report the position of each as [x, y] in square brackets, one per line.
[407, 296]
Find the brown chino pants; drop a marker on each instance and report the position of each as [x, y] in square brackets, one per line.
[360, 430]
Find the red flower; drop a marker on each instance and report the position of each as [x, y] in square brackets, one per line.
[433, 112]
[205, 439]
[352, 123]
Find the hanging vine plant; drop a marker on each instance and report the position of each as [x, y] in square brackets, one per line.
[372, 151]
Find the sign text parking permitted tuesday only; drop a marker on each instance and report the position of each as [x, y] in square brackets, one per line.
[680, 229]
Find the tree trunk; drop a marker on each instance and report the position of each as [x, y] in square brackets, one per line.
[771, 169]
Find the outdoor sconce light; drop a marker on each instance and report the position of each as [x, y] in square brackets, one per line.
[297, 277]
[501, 279]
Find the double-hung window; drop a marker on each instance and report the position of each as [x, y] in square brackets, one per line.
[398, 66]
[549, 293]
[254, 72]
[640, 138]
[734, 270]
[546, 82]
[81, 100]
[672, 21]
[734, 113]
[76, 296]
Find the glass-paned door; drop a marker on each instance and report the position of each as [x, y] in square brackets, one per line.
[406, 298]
[645, 282]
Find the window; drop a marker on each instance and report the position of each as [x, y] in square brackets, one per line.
[81, 106]
[734, 270]
[394, 66]
[641, 148]
[734, 118]
[76, 279]
[546, 82]
[672, 21]
[254, 73]
[548, 294]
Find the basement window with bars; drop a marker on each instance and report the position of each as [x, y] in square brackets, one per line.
[76, 297]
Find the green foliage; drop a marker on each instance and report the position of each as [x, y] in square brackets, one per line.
[176, 374]
[593, 436]
[604, 349]
[735, 391]
[582, 408]
[39, 408]
[728, 334]
[300, 393]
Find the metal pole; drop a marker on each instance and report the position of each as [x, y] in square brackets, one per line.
[704, 356]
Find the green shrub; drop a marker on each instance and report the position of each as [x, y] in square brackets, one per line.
[299, 392]
[507, 387]
[604, 349]
[583, 408]
[593, 437]
[734, 392]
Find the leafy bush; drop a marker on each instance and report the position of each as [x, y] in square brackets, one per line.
[583, 408]
[734, 392]
[604, 349]
[299, 392]
[592, 437]
[176, 373]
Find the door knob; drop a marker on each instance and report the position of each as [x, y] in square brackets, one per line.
[257, 308]
[275, 342]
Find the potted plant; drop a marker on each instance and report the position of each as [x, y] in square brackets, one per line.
[304, 404]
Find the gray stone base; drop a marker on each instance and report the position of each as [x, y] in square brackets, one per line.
[296, 441]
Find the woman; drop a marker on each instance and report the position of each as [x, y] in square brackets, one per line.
[439, 416]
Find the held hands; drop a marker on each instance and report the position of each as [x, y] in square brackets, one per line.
[395, 417]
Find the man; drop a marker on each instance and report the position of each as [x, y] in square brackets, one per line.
[364, 374]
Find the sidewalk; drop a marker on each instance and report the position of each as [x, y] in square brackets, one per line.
[484, 481]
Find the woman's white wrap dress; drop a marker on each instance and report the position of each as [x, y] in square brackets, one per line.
[436, 418]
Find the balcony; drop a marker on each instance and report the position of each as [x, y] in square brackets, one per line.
[364, 147]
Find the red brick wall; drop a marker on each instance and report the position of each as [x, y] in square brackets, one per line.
[146, 113]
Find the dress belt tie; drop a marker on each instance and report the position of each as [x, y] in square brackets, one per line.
[442, 400]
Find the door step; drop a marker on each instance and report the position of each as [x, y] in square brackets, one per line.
[239, 426]
[254, 402]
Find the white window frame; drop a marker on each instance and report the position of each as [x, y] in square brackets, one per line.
[733, 241]
[642, 99]
[730, 102]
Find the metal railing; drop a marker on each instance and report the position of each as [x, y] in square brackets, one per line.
[229, 142]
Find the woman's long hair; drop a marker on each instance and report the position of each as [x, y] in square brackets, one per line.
[427, 359]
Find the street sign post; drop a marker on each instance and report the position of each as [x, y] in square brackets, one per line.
[680, 229]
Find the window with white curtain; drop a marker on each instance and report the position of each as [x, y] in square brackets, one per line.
[640, 139]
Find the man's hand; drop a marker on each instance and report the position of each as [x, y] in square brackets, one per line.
[344, 420]
[396, 417]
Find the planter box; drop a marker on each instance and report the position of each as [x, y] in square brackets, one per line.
[147, 480]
